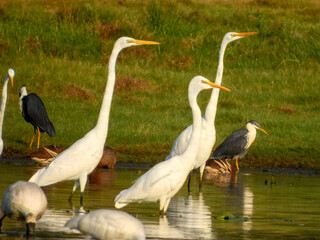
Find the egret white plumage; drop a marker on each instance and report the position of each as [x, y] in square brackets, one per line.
[9, 76]
[82, 157]
[34, 112]
[24, 201]
[165, 179]
[108, 224]
[208, 135]
[238, 143]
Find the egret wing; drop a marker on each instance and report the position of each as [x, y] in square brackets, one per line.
[181, 143]
[160, 180]
[70, 164]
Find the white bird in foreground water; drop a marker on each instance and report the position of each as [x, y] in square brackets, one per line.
[9, 76]
[108, 224]
[24, 201]
[208, 134]
[82, 157]
[165, 179]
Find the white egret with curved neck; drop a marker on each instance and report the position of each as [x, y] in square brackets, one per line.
[4, 97]
[208, 135]
[165, 179]
[82, 157]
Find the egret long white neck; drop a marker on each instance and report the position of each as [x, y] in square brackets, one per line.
[211, 110]
[3, 102]
[103, 120]
[193, 146]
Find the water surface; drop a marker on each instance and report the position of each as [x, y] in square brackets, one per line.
[245, 207]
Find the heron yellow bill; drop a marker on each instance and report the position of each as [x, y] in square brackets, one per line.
[143, 42]
[262, 130]
[216, 85]
[245, 34]
[11, 80]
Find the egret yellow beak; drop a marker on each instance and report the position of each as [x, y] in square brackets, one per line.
[245, 34]
[216, 85]
[11, 80]
[262, 130]
[143, 42]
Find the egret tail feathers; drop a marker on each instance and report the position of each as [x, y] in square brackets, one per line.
[36, 178]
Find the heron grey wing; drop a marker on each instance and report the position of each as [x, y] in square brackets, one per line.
[35, 113]
[232, 145]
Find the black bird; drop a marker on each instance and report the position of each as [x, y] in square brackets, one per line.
[237, 144]
[34, 112]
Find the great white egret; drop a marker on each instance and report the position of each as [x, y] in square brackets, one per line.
[9, 76]
[24, 201]
[34, 112]
[82, 157]
[238, 143]
[208, 135]
[165, 179]
[108, 224]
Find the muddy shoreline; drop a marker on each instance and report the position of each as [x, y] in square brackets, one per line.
[135, 165]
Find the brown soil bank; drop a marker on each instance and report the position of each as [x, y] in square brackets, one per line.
[157, 154]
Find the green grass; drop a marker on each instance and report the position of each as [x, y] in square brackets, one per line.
[274, 76]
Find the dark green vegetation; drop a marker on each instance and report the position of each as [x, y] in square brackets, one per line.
[60, 51]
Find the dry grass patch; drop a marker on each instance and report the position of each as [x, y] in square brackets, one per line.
[128, 84]
[106, 30]
[73, 91]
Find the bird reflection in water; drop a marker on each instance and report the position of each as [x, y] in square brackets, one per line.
[102, 176]
[188, 218]
[53, 221]
[239, 199]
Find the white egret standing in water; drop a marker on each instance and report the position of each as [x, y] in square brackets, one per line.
[165, 179]
[82, 157]
[208, 135]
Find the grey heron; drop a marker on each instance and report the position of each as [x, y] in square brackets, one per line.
[34, 112]
[238, 143]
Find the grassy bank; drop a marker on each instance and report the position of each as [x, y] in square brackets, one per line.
[60, 51]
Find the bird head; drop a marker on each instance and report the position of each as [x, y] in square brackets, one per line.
[125, 42]
[199, 83]
[231, 36]
[11, 74]
[23, 92]
[256, 125]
